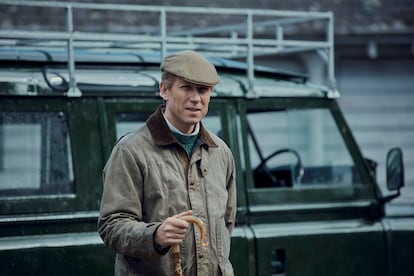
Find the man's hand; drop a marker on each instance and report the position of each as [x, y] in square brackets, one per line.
[172, 230]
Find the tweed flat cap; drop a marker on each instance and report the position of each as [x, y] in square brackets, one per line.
[192, 67]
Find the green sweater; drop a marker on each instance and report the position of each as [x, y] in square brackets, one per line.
[187, 141]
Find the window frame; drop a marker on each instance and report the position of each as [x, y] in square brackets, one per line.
[83, 131]
[48, 152]
[261, 199]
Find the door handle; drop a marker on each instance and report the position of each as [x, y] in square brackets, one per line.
[278, 262]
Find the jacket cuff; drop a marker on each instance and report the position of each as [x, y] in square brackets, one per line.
[162, 250]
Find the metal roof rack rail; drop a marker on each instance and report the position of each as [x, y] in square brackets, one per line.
[224, 32]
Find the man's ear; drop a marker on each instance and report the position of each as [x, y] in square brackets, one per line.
[163, 91]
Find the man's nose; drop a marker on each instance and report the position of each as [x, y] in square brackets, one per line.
[195, 95]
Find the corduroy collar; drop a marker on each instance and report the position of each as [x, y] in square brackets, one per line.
[162, 135]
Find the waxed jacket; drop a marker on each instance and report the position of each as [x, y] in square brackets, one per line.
[148, 178]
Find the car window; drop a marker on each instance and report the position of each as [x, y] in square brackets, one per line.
[35, 154]
[298, 148]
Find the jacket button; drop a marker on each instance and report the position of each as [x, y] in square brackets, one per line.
[191, 183]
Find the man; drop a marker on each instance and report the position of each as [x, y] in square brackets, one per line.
[172, 167]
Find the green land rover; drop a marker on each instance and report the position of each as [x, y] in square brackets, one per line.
[308, 201]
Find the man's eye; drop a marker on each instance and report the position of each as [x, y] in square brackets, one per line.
[203, 90]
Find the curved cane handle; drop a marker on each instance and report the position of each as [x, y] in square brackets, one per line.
[201, 226]
[176, 248]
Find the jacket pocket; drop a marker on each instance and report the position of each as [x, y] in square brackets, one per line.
[223, 246]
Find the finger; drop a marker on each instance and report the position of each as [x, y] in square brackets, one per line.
[175, 225]
[185, 213]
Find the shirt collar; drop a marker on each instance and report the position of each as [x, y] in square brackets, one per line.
[176, 130]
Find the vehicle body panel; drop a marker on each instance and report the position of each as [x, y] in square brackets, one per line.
[325, 223]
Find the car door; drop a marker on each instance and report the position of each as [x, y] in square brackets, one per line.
[50, 166]
[309, 195]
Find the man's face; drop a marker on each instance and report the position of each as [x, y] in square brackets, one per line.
[186, 103]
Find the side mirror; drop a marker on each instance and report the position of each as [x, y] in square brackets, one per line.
[395, 173]
[395, 170]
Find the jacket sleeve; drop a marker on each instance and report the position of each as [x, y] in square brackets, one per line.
[232, 194]
[120, 222]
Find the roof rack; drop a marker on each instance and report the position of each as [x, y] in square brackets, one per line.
[224, 32]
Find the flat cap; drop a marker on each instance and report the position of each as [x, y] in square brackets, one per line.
[192, 67]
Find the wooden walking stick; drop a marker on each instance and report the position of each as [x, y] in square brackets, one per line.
[178, 271]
